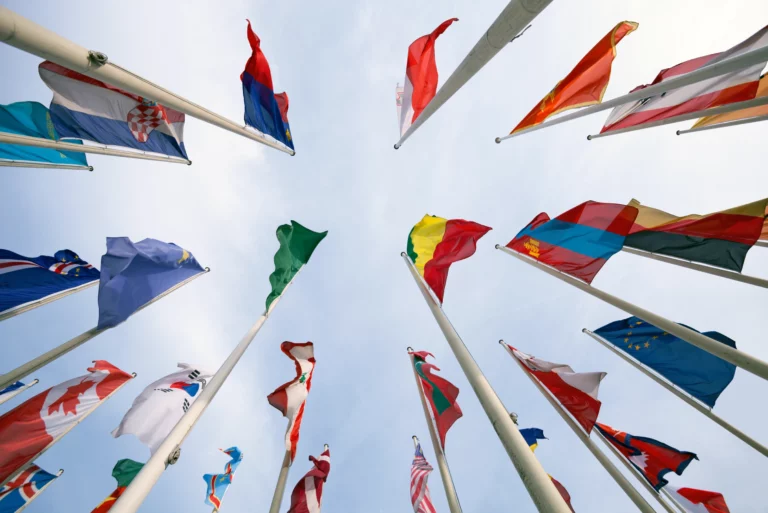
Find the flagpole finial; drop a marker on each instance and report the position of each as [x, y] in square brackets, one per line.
[60, 472]
[207, 269]
[497, 246]
[584, 330]
[325, 447]
[589, 138]
[397, 146]
[189, 162]
[677, 133]
[133, 374]
[90, 168]
[498, 140]
[402, 253]
[501, 342]
[409, 349]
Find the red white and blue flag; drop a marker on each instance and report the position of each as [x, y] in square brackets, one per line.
[420, 470]
[699, 501]
[307, 496]
[23, 488]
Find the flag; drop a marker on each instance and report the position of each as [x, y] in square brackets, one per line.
[297, 244]
[420, 470]
[307, 496]
[85, 108]
[291, 397]
[652, 458]
[435, 243]
[399, 101]
[10, 388]
[721, 239]
[699, 373]
[133, 274]
[440, 393]
[578, 242]
[218, 483]
[420, 76]
[264, 110]
[158, 408]
[699, 501]
[585, 84]
[532, 437]
[124, 472]
[33, 120]
[24, 487]
[563, 493]
[751, 112]
[736, 86]
[576, 391]
[38, 423]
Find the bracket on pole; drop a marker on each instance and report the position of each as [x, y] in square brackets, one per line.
[98, 59]
[173, 457]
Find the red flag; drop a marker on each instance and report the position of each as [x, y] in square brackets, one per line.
[440, 393]
[699, 501]
[307, 496]
[563, 492]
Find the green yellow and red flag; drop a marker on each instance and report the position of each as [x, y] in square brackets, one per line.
[124, 472]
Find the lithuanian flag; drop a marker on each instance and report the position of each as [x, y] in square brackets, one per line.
[435, 243]
[721, 239]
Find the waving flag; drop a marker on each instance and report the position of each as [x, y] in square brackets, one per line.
[752, 112]
[124, 472]
[158, 408]
[86, 108]
[297, 244]
[699, 501]
[218, 483]
[440, 393]
[35, 425]
[420, 470]
[10, 388]
[23, 488]
[307, 496]
[532, 437]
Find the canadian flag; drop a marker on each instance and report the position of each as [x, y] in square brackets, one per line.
[35, 425]
[699, 501]
[307, 496]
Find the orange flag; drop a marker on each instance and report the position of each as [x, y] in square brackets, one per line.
[762, 91]
[585, 84]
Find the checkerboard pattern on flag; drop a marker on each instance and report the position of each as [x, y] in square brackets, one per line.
[420, 470]
[23, 488]
[145, 118]
[307, 496]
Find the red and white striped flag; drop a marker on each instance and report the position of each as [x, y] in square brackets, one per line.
[307, 496]
[420, 470]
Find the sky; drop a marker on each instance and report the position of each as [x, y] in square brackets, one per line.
[339, 63]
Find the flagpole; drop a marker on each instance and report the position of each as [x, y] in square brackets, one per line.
[699, 75]
[26, 307]
[726, 124]
[442, 463]
[762, 243]
[516, 16]
[609, 467]
[11, 395]
[46, 485]
[537, 482]
[42, 165]
[674, 501]
[739, 358]
[282, 479]
[44, 359]
[692, 401]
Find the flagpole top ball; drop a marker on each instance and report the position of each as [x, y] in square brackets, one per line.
[397, 146]
[589, 138]
[584, 330]
[402, 253]
[207, 269]
[501, 342]
[677, 133]
[409, 349]
[90, 168]
[189, 162]
[498, 140]
[498, 246]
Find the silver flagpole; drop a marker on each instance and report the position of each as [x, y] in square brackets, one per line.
[537, 482]
[739, 358]
[57, 352]
[282, 479]
[762, 243]
[42, 165]
[46, 485]
[609, 467]
[690, 400]
[442, 463]
[26, 307]
[672, 500]
[726, 124]
[11, 395]
[17, 31]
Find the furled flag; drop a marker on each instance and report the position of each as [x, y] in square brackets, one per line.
[124, 472]
[751, 112]
[699, 501]
[27, 279]
[585, 84]
[576, 391]
[563, 493]
[307, 496]
[264, 110]
[10, 388]
[721, 239]
[652, 458]
[297, 244]
[578, 242]
[291, 397]
[737, 86]
[420, 470]
[133, 274]
[33, 119]
[158, 408]
[33, 426]
[218, 483]
[440, 393]
[23, 488]
[420, 76]
[699, 373]
[85, 108]
[532, 437]
[435, 243]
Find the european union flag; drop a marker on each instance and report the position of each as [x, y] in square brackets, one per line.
[132, 274]
[701, 374]
[218, 483]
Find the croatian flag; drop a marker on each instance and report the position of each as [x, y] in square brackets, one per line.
[23, 488]
[85, 108]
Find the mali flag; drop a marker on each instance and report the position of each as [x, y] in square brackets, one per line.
[124, 472]
[440, 393]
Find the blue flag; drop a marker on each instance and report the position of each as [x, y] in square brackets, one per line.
[10, 388]
[22, 488]
[701, 374]
[34, 120]
[218, 483]
[134, 274]
[532, 437]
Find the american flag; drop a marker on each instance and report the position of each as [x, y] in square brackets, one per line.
[420, 470]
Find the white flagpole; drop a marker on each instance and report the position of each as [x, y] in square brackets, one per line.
[739, 358]
[537, 482]
[762, 243]
[44, 359]
[692, 401]
[726, 124]
[17, 31]
[11, 395]
[42, 165]
[46, 485]
[282, 479]
[674, 501]
[442, 463]
[701, 74]
[516, 16]
[609, 467]
[26, 307]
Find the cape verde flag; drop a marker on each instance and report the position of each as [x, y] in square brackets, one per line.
[23, 488]
[86, 108]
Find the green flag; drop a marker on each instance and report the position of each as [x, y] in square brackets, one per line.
[296, 246]
[124, 472]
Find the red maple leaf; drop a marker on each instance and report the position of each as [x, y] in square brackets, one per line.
[71, 398]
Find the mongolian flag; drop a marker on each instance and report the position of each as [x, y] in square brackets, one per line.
[307, 496]
[699, 501]
[752, 112]
[440, 393]
[218, 483]
[578, 242]
[585, 84]
[17, 493]
[436, 243]
[124, 472]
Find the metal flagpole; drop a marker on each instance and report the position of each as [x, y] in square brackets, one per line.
[674, 501]
[442, 463]
[42, 165]
[35, 496]
[11, 395]
[516, 16]
[692, 401]
[609, 467]
[726, 124]
[17, 31]
[26, 307]
[282, 479]
[762, 243]
[57, 352]
[701, 74]
[538, 483]
[739, 358]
